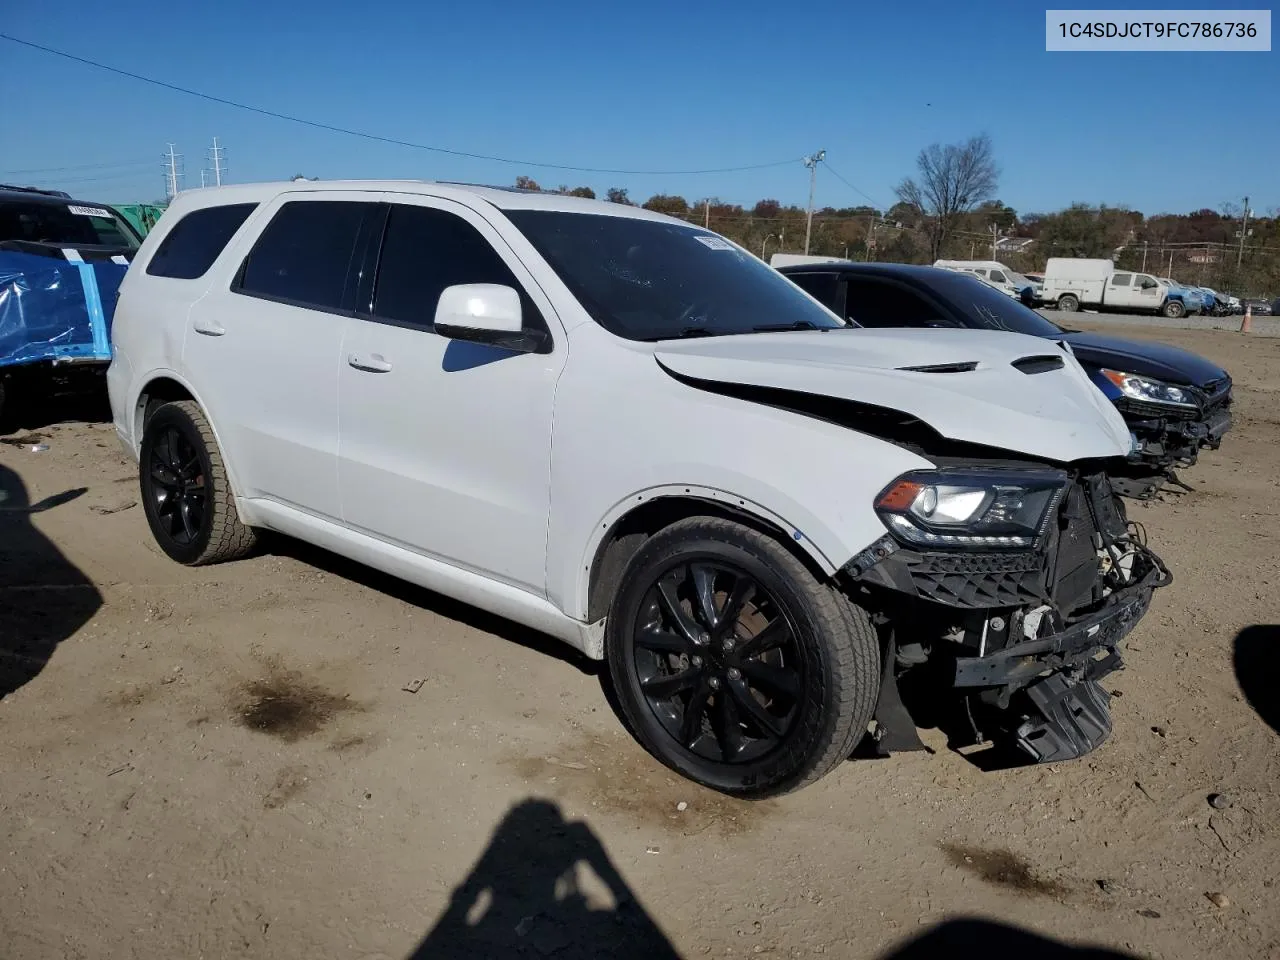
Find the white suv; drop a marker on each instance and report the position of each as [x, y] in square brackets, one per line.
[630, 433]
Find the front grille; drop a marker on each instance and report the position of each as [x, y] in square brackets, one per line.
[1154, 411]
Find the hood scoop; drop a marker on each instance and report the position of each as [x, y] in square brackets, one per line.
[1030, 365]
[964, 366]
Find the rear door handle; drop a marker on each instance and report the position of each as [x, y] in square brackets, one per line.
[374, 363]
[210, 328]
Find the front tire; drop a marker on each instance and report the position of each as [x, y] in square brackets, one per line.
[1068, 303]
[185, 491]
[734, 665]
[1173, 309]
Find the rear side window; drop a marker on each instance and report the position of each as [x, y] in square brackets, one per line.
[304, 254]
[189, 249]
[820, 286]
[874, 303]
[425, 250]
[1120, 279]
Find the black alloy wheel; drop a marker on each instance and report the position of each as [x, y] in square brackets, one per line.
[179, 495]
[717, 661]
[185, 491]
[733, 664]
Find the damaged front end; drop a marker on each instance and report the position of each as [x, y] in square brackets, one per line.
[1170, 425]
[1011, 586]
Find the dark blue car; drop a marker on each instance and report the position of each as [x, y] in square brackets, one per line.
[1175, 402]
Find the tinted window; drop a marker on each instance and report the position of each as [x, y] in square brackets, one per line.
[304, 254]
[876, 303]
[822, 286]
[426, 250]
[189, 249]
[71, 224]
[980, 272]
[1143, 278]
[654, 280]
[997, 276]
[1120, 279]
[984, 307]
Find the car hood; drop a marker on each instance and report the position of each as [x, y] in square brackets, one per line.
[1146, 359]
[1056, 414]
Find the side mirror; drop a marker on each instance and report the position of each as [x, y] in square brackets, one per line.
[487, 313]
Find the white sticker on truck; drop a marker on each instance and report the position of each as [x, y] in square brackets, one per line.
[88, 211]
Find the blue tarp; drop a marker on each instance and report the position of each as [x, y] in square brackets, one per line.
[51, 308]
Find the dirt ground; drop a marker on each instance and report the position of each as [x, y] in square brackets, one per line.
[225, 762]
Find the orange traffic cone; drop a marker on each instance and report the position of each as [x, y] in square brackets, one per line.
[1248, 318]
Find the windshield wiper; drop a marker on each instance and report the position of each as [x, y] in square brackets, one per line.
[794, 325]
[686, 332]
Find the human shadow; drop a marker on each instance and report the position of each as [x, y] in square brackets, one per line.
[973, 937]
[1257, 664]
[44, 598]
[531, 893]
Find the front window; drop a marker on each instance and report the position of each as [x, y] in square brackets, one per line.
[69, 224]
[986, 308]
[652, 280]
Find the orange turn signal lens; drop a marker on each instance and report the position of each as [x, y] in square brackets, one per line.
[1116, 377]
[900, 496]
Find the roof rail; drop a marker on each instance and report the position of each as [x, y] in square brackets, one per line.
[48, 193]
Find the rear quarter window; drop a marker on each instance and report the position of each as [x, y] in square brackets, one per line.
[190, 248]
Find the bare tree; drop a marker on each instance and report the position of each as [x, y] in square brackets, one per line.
[952, 180]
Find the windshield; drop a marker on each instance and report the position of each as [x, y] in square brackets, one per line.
[73, 224]
[1017, 279]
[986, 308]
[651, 280]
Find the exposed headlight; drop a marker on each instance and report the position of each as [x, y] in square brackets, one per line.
[991, 509]
[1152, 391]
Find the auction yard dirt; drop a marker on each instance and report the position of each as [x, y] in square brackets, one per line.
[292, 756]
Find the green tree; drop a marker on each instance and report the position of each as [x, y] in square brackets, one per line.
[527, 183]
[669, 204]
[618, 195]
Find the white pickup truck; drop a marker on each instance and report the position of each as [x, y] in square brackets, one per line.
[1071, 283]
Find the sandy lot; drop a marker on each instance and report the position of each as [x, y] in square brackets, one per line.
[224, 763]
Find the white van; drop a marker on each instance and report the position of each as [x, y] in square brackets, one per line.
[994, 272]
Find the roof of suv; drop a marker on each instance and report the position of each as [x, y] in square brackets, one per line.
[44, 197]
[501, 197]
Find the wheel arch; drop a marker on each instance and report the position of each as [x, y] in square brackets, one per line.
[167, 386]
[622, 532]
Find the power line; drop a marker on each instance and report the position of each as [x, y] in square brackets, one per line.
[875, 203]
[84, 166]
[332, 128]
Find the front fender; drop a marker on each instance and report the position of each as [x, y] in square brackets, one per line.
[623, 439]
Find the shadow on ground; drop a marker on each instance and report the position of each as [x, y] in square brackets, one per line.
[406, 592]
[44, 598]
[545, 886]
[1257, 664]
[971, 937]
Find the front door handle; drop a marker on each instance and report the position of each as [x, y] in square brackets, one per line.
[373, 363]
[210, 328]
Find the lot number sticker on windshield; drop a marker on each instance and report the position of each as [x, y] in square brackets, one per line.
[715, 243]
[88, 211]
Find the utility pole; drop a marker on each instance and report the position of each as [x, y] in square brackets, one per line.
[1144, 256]
[995, 237]
[1244, 227]
[204, 176]
[1170, 274]
[811, 162]
[216, 158]
[871, 237]
[171, 173]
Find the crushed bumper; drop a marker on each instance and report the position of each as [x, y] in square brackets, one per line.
[1080, 644]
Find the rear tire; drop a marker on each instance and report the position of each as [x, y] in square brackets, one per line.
[1068, 303]
[1173, 309]
[734, 665]
[185, 491]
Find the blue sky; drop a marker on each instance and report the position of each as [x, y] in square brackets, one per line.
[655, 86]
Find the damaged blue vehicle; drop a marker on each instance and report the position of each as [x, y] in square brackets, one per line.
[61, 263]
